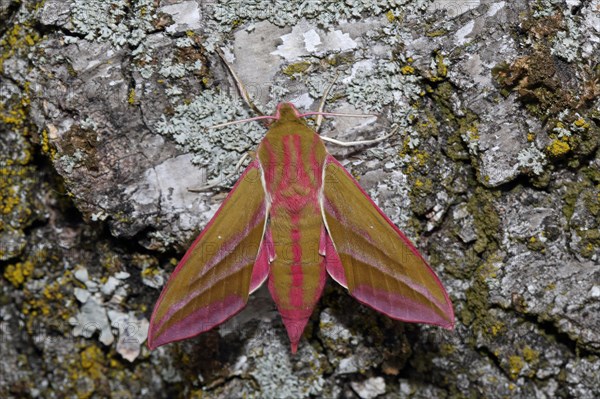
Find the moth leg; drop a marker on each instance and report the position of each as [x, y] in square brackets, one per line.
[360, 142]
[323, 99]
[240, 86]
[217, 181]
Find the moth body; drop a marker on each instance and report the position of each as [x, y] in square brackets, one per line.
[294, 217]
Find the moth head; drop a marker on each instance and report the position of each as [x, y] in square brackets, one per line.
[287, 112]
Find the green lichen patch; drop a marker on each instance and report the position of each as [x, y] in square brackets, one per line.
[590, 242]
[587, 191]
[422, 187]
[536, 244]
[217, 149]
[476, 312]
[573, 137]
[115, 21]
[441, 69]
[383, 85]
[460, 132]
[487, 221]
[230, 15]
[296, 69]
[581, 207]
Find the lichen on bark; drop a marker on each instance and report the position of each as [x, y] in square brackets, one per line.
[494, 173]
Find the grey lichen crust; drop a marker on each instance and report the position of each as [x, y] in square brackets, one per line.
[106, 116]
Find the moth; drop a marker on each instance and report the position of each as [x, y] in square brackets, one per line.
[294, 217]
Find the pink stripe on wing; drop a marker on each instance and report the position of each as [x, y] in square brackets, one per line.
[399, 306]
[200, 320]
[394, 275]
[223, 275]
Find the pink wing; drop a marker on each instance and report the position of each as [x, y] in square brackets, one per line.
[367, 254]
[225, 263]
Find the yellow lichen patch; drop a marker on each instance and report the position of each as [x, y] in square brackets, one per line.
[14, 117]
[52, 292]
[150, 272]
[18, 273]
[495, 329]
[115, 363]
[473, 132]
[407, 70]
[9, 200]
[131, 97]
[515, 364]
[16, 38]
[530, 355]
[530, 137]
[420, 158]
[390, 16]
[558, 148]
[92, 360]
[25, 158]
[436, 33]
[489, 270]
[111, 262]
[441, 67]
[296, 68]
[197, 394]
[35, 307]
[14, 189]
[447, 349]
[17, 116]
[48, 300]
[581, 123]
[87, 372]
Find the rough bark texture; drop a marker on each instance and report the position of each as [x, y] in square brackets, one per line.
[495, 174]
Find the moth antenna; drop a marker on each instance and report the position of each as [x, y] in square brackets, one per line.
[239, 84]
[255, 118]
[323, 99]
[336, 114]
[360, 142]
